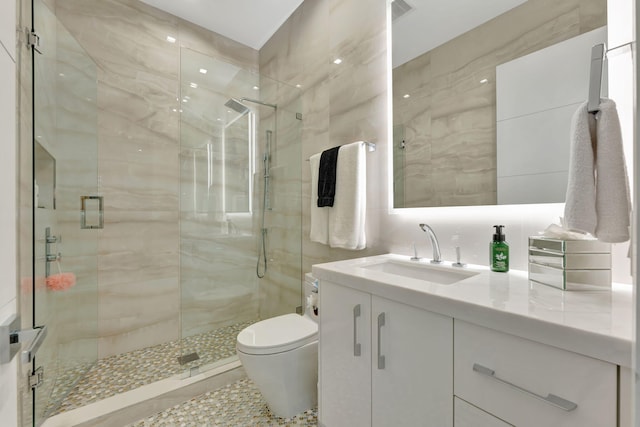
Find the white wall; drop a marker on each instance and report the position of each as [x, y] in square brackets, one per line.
[8, 207]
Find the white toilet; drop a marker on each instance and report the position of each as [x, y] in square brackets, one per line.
[280, 355]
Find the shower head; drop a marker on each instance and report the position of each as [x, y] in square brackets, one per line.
[255, 101]
[237, 106]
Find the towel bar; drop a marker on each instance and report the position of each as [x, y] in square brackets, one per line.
[371, 146]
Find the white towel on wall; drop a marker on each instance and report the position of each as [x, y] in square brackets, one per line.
[613, 205]
[597, 199]
[347, 217]
[580, 202]
[319, 216]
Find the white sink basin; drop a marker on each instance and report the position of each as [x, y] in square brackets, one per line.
[441, 274]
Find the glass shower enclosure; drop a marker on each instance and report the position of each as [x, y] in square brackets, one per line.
[65, 174]
[238, 212]
[240, 204]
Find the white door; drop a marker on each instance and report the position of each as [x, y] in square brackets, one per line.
[345, 356]
[412, 377]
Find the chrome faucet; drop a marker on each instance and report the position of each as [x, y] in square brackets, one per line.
[434, 243]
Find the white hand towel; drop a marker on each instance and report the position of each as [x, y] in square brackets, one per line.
[580, 202]
[613, 205]
[347, 217]
[598, 190]
[319, 216]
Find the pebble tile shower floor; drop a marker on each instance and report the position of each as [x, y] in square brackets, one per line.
[127, 371]
[239, 404]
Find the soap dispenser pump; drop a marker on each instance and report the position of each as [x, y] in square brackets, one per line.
[499, 251]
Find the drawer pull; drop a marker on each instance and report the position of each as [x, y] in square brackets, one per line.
[356, 344]
[551, 399]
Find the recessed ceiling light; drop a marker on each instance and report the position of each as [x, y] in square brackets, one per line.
[193, 85]
[171, 39]
[256, 88]
[337, 61]
[61, 74]
[484, 81]
[406, 95]
[185, 100]
[203, 70]
[219, 119]
[298, 86]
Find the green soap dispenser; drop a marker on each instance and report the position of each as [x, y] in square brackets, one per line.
[499, 251]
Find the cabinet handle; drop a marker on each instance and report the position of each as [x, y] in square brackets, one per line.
[380, 356]
[551, 399]
[356, 344]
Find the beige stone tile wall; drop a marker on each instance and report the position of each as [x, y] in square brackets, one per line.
[341, 103]
[138, 160]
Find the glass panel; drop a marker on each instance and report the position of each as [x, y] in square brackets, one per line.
[65, 153]
[240, 175]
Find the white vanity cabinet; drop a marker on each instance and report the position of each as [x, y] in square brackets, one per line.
[383, 363]
[528, 384]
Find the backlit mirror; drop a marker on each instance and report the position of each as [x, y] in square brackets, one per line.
[483, 94]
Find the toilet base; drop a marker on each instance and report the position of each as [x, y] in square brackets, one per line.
[288, 381]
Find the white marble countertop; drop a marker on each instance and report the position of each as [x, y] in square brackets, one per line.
[593, 323]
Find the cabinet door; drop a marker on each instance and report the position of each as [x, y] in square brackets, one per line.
[345, 356]
[412, 377]
[467, 415]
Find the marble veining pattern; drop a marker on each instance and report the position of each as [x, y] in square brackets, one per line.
[237, 404]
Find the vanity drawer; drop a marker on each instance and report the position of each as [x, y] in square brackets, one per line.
[466, 415]
[526, 383]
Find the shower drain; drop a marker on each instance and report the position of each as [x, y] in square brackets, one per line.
[187, 358]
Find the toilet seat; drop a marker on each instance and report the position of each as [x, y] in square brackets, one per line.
[277, 335]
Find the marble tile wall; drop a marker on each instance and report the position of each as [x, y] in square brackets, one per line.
[340, 103]
[450, 118]
[280, 289]
[349, 101]
[139, 171]
[218, 285]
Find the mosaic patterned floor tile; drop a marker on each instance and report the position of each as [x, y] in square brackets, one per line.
[239, 404]
[127, 371]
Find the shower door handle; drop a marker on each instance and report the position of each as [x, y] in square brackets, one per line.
[356, 345]
[96, 223]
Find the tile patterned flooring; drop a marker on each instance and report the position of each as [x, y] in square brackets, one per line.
[124, 372]
[239, 404]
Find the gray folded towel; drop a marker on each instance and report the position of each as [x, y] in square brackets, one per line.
[598, 199]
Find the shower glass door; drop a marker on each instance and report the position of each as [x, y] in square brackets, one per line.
[239, 137]
[65, 245]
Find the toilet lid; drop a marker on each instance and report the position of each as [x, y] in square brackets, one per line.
[277, 334]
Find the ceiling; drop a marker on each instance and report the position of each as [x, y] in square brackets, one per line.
[429, 24]
[433, 22]
[250, 22]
